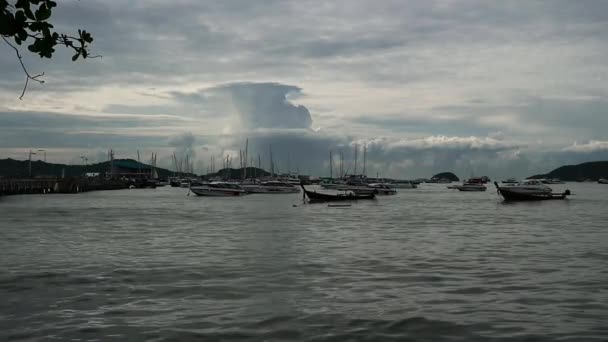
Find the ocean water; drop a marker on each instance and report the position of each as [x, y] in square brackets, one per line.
[428, 264]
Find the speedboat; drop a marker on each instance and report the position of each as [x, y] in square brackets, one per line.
[271, 187]
[529, 189]
[218, 189]
[377, 188]
[473, 184]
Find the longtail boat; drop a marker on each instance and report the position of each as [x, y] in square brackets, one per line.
[314, 196]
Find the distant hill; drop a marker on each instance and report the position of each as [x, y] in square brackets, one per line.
[571, 173]
[20, 168]
[446, 175]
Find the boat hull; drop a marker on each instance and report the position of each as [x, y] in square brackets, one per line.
[270, 190]
[202, 191]
[316, 197]
[529, 194]
[510, 195]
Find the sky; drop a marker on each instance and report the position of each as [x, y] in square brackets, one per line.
[476, 87]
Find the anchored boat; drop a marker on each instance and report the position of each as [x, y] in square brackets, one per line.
[314, 196]
[529, 190]
[218, 189]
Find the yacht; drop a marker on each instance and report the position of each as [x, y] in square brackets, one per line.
[376, 188]
[473, 184]
[530, 189]
[218, 189]
[271, 187]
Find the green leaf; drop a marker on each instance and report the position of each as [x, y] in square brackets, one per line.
[22, 35]
[43, 13]
[29, 14]
[20, 17]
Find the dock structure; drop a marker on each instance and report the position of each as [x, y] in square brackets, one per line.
[58, 185]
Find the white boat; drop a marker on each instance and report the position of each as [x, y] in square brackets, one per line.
[271, 187]
[529, 190]
[404, 185]
[602, 181]
[528, 187]
[473, 184]
[378, 189]
[218, 189]
[332, 185]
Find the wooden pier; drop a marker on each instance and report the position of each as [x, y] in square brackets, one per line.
[58, 185]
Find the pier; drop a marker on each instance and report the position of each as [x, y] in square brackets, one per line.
[58, 185]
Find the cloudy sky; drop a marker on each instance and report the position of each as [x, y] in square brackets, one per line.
[504, 88]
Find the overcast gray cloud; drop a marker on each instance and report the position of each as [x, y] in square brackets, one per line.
[474, 86]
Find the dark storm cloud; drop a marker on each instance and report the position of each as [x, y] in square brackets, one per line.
[24, 129]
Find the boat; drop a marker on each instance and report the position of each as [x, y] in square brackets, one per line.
[377, 188]
[332, 184]
[314, 196]
[529, 190]
[510, 181]
[602, 181]
[473, 184]
[404, 185]
[218, 189]
[271, 187]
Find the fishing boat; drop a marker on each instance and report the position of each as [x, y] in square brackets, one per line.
[218, 189]
[529, 190]
[314, 196]
[271, 187]
[473, 184]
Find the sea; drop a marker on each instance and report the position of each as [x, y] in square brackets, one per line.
[428, 264]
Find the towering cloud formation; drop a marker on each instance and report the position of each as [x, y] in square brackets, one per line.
[266, 105]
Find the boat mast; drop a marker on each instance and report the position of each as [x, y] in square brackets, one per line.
[246, 156]
[341, 164]
[271, 162]
[356, 153]
[331, 163]
[138, 164]
[364, 157]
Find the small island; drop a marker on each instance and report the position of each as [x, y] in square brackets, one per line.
[582, 172]
[445, 175]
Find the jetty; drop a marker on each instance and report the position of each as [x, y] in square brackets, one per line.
[59, 185]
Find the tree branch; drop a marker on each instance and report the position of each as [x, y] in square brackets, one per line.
[27, 74]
